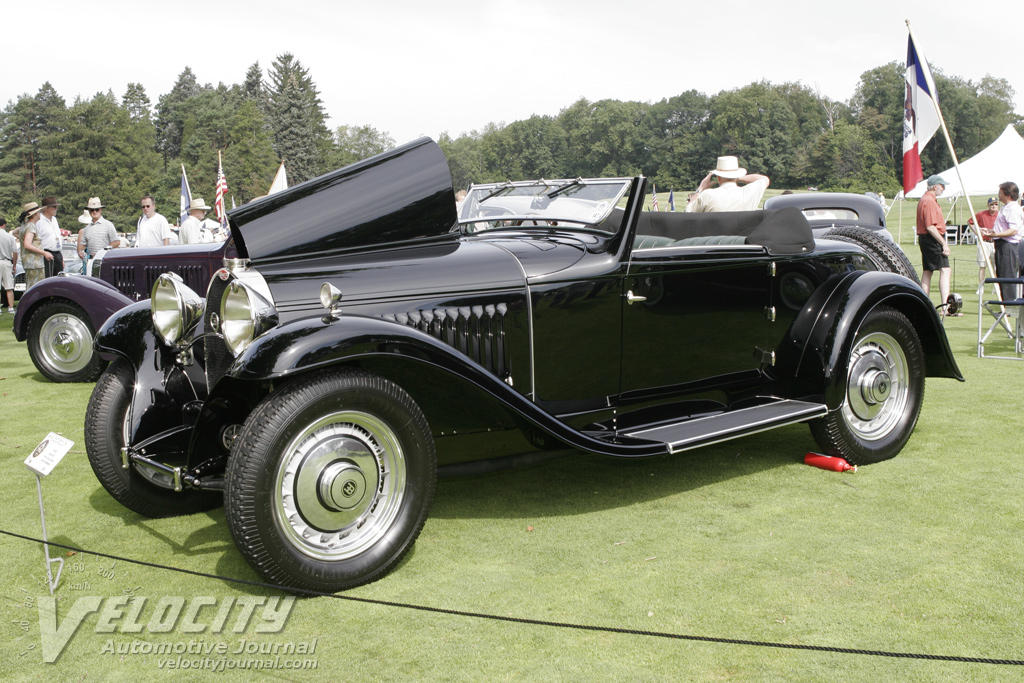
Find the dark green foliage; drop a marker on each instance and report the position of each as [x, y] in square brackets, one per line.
[120, 150]
[297, 119]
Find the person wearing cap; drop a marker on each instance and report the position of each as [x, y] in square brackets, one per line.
[191, 230]
[8, 260]
[49, 235]
[33, 256]
[97, 235]
[1006, 233]
[986, 251]
[931, 238]
[728, 196]
[153, 229]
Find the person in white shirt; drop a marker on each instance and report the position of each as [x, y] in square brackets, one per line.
[154, 231]
[728, 196]
[191, 230]
[96, 235]
[49, 235]
[8, 261]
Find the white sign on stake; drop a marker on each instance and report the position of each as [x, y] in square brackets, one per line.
[41, 461]
[48, 454]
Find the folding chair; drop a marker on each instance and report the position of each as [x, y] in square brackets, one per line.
[1000, 310]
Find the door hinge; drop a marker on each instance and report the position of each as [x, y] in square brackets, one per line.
[765, 356]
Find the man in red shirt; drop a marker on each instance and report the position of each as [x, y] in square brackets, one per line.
[931, 237]
[986, 219]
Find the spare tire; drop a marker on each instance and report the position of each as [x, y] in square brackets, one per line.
[886, 254]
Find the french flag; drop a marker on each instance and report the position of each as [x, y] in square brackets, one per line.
[920, 115]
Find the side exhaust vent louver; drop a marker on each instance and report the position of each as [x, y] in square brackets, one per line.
[479, 332]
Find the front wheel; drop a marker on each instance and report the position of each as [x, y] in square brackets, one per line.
[60, 343]
[330, 481]
[884, 391]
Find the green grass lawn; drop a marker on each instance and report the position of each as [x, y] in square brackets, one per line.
[920, 554]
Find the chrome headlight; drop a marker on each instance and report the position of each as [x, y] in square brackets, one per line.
[244, 315]
[175, 308]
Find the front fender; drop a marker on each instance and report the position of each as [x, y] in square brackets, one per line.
[310, 344]
[829, 326]
[163, 388]
[99, 300]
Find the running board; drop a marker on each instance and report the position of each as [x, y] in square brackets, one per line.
[704, 431]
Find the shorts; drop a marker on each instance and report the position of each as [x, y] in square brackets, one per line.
[6, 274]
[932, 257]
[990, 251]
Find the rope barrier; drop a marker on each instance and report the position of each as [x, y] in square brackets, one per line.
[538, 622]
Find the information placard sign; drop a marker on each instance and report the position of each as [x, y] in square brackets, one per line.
[48, 454]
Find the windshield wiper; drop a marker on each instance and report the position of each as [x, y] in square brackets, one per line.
[559, 190]
[501, 189]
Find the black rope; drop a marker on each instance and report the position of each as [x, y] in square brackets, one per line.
[537, 622]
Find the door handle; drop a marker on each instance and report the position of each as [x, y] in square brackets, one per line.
[631, 297]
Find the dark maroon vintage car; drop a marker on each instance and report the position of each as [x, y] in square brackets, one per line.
[60, 315]
[367, 334]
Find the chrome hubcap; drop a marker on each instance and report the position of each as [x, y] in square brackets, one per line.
[339, 485]
[65, 343]
[878, 388]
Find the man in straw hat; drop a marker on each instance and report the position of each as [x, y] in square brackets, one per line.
[33, 256]
[97, 235]
[191, 230]
[729, 196]
[49, 234]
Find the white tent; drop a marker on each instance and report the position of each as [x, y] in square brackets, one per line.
[280, 181]
[1001, 161]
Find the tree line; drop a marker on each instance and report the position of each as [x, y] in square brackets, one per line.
[790, 132]
[121, 149]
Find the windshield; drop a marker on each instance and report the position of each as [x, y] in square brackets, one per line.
[543, 203]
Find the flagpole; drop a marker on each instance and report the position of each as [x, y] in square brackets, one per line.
[956, 163]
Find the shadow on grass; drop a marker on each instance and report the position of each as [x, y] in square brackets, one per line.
[561, 487]
[566, 486]
[212, 538]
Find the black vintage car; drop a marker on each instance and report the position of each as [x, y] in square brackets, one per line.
[368, 334]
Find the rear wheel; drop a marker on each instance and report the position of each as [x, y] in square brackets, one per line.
[106, 432]
[60, 343]
[884, 391]
[884, 253]
[330, 481]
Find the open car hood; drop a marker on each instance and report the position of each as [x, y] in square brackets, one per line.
[396, 197]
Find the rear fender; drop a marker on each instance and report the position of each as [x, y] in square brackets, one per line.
[827, 327]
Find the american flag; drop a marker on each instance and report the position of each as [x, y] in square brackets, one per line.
[222, 190]
[654, 195]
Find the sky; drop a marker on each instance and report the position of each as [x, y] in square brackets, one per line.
[424, 67]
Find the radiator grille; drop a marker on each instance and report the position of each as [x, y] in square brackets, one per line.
[479, 332]
[124, 279]
[218, 357]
